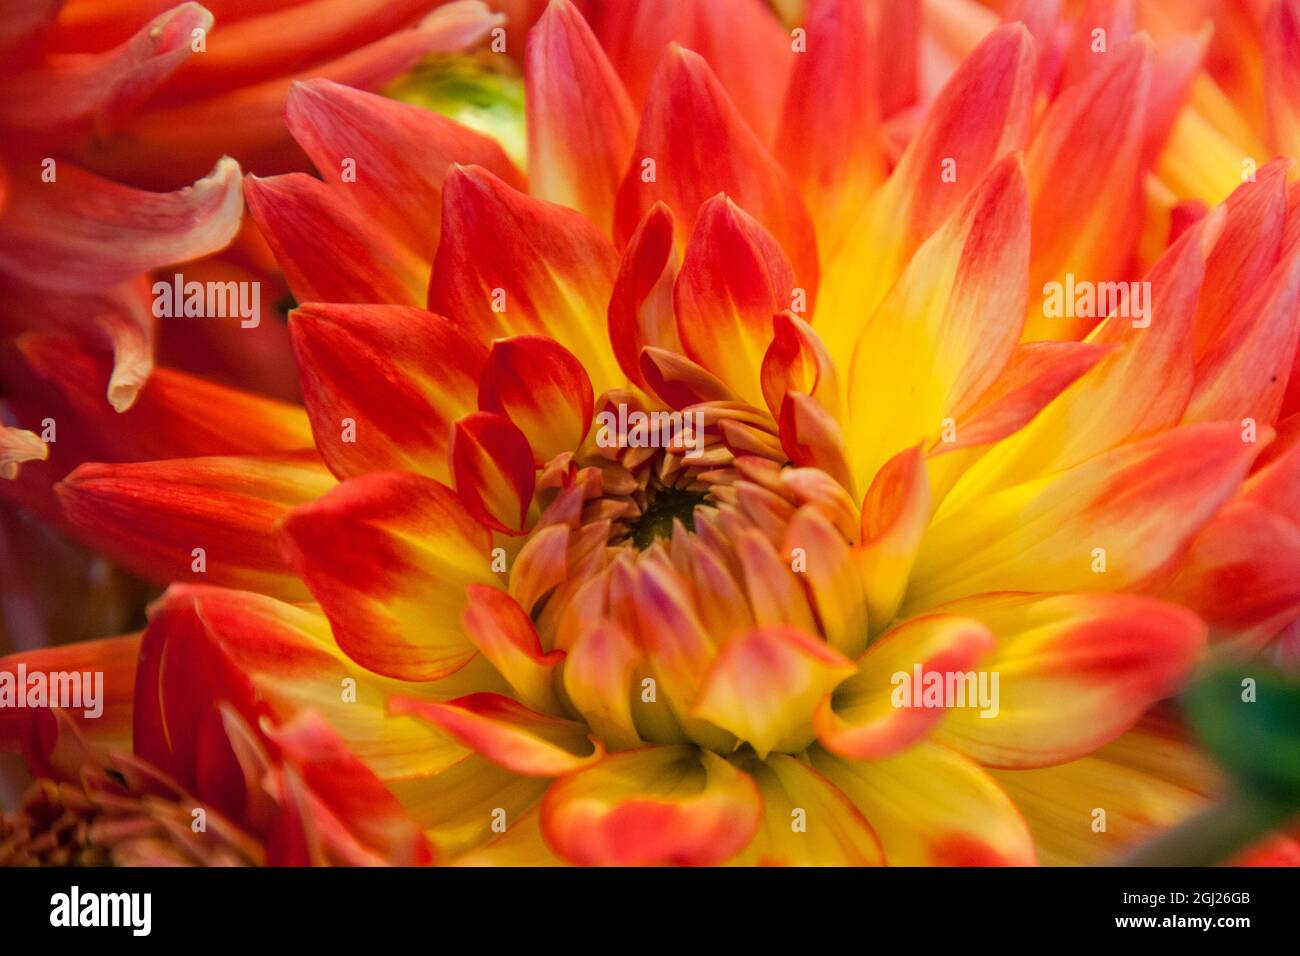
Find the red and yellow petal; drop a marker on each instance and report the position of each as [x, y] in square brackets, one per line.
[492, 463]
[543, 389]
[504, 633]
[653, 807]
[865, 719]
[1074, 672]
[932, 807]
[388, 555]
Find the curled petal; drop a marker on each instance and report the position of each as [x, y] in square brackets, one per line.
[18, 445]
[641, 304]
[501, 629]
[895, 514]
[598, 676]
[509, 734]
[654, 806]
[493, 466]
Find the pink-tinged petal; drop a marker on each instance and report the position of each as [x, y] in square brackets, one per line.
[667, 629]
[509, 264]
[1282, 75]
[981, 115]
[1243, 375]
[874, 714]
[833, 831]
[598, 676]
[948, 328]
[1074, 672]
[389, 555]
[654, 806]
[195, 519]
[400, 155]
[69, 93]
[492, 463]
[82, 233]
[1130, 511]
[932, 807]
[504, 633]
[33, 732]
[740, 39]
[641, 304]
[580, 121]
[830, 138]
[734, 279]
[1147, 781]
[350, 792]
[509, 734]
[797, 361]
[1085, 173]
[837, 587]
[175, 415]
[895, 513]
[541, 564]
[1139, 389]
[678, 382]
[383, 385]
[700, 147]
[248, 124]
[762, 687]
[543, 389]
[328, 249]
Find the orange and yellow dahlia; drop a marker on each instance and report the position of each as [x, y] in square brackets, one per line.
[832, 448]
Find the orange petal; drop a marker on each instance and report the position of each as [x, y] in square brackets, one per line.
[389, 555]
[734, 279]
[763, 685]
[1129, 511]
[400, 155]
[580, 120]
[509, 734]
[543, 389]
[932, 807]
[509, 264]
[493, 465]
[835, 583]
[501, 629]
[641, 304]
[699, 147]
[328, 250]
[598, 676]
[383, 385]
[895, 513]
[797, 361]
[1074, 672]
[655, 806]
[196, 519]
[874, 713]
[830, 139]
[948, 327]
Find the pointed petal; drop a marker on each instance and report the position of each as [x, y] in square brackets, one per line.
[580, 121]
[837, 592]
[196, 519]
[948, 327]
[641, 304]
[505, 635]
[700, 147]
[401, 155]
[598, 676]
[895, 514]
[383, 385]
[762, 686]
[388, 555]
[509, 264]
[734, 279]
[328, 250]
[655, 806]
[1140, 505]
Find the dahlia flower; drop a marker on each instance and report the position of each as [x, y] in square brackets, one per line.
[639, 497]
